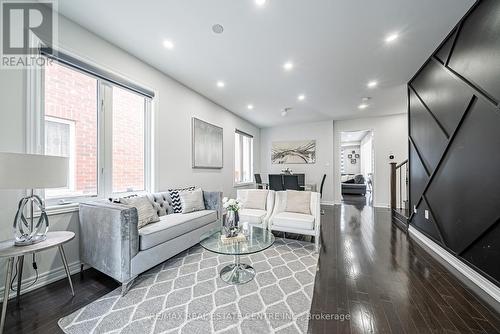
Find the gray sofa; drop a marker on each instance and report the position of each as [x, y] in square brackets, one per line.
[357, 186]
[111, 243]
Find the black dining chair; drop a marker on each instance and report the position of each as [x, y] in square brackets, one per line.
[291, 182]
[258, 181]
[322, 211]
[275, 182]
[322, 184]
[302, 179]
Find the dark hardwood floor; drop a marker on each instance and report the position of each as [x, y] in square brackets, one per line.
[386, 283]
[40, 310]
[369, 272]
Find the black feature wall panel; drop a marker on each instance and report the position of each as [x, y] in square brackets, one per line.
[454, 127]
[476, 55]
[429, 139]
[443, 52]
[426, 225]
[446, 97]
[464, 203]
[420, 177]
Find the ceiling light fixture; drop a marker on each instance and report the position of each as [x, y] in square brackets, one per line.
[363, 106]
[250, 107]
[168, 44]
[218, 28]
[220, 84]
[288, 66]
[372, 84]
[301, 97]
[391, 37]
[260, 3]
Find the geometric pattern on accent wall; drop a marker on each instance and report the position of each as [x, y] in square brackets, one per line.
[454, 130]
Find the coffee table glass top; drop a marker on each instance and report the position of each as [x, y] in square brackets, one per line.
[257, 239]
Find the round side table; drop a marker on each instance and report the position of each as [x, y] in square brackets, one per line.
[10, 251]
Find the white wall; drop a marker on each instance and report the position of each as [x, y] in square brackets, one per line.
[390, 135]
[322, 132]
[349, 167]
[174, 106]
[366, 154]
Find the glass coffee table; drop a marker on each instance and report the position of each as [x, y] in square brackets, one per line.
[257, 240]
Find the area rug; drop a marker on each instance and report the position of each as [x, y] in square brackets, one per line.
[186, 295]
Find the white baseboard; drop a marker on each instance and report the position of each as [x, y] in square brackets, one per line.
[474, 277]
[330, 203]
[43, 279]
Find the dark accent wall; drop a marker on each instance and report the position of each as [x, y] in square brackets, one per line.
[454, 144]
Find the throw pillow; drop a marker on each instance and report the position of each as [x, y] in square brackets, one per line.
[146, 213]
[176, 200]
[298, 201]
[256, 199]
[192, 201]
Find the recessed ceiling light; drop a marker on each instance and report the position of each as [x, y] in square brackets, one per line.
[168, 44]
[288, 66]
[260, 3]
[391, 37]
[372, 84]
[301, 97]
[218, 28]
[363, 106]
[250, 106]
[220, 84]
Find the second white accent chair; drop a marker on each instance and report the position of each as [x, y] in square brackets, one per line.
[257, 205]
[297, 212]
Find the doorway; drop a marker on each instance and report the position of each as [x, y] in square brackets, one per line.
[357, 167]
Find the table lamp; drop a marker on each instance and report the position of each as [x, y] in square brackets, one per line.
[31, 171]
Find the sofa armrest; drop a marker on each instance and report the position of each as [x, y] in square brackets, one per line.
[213, 201]
[109, 238]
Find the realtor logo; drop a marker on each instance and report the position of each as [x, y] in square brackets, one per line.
[26, 27]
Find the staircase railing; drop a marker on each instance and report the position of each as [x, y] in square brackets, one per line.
[399, 188]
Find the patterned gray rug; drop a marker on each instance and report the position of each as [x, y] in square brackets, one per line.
[186, 295]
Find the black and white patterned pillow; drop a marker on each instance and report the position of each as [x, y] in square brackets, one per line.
[176, 200]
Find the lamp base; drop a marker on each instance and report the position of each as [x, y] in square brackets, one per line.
[27, 241]
[26, 232]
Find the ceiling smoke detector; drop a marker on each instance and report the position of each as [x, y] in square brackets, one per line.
[218, 28]
[285, 111]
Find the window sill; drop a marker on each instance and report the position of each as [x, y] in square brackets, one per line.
[60, 209]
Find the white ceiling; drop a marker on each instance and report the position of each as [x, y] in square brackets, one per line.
[336, 46]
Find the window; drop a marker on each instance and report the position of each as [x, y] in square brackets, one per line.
[243, 161]
[128, 141]
[101, 127]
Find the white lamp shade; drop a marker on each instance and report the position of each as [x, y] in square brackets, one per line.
[32, 171]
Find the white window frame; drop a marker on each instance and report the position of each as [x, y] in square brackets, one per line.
[35, 135]
[241, 182]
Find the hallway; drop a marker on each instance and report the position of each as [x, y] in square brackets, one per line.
[371, 272]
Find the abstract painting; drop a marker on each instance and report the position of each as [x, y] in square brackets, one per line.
[294, 152]
[207, 145]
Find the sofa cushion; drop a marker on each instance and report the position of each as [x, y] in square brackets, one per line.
[298, 201]
[172, 226]
[252, 216]
[175, 198]
[256, 199]
[294, 220]
[145, 212]
[192, 201]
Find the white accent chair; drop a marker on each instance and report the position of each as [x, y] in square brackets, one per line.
[255, 216]
[299, 223]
